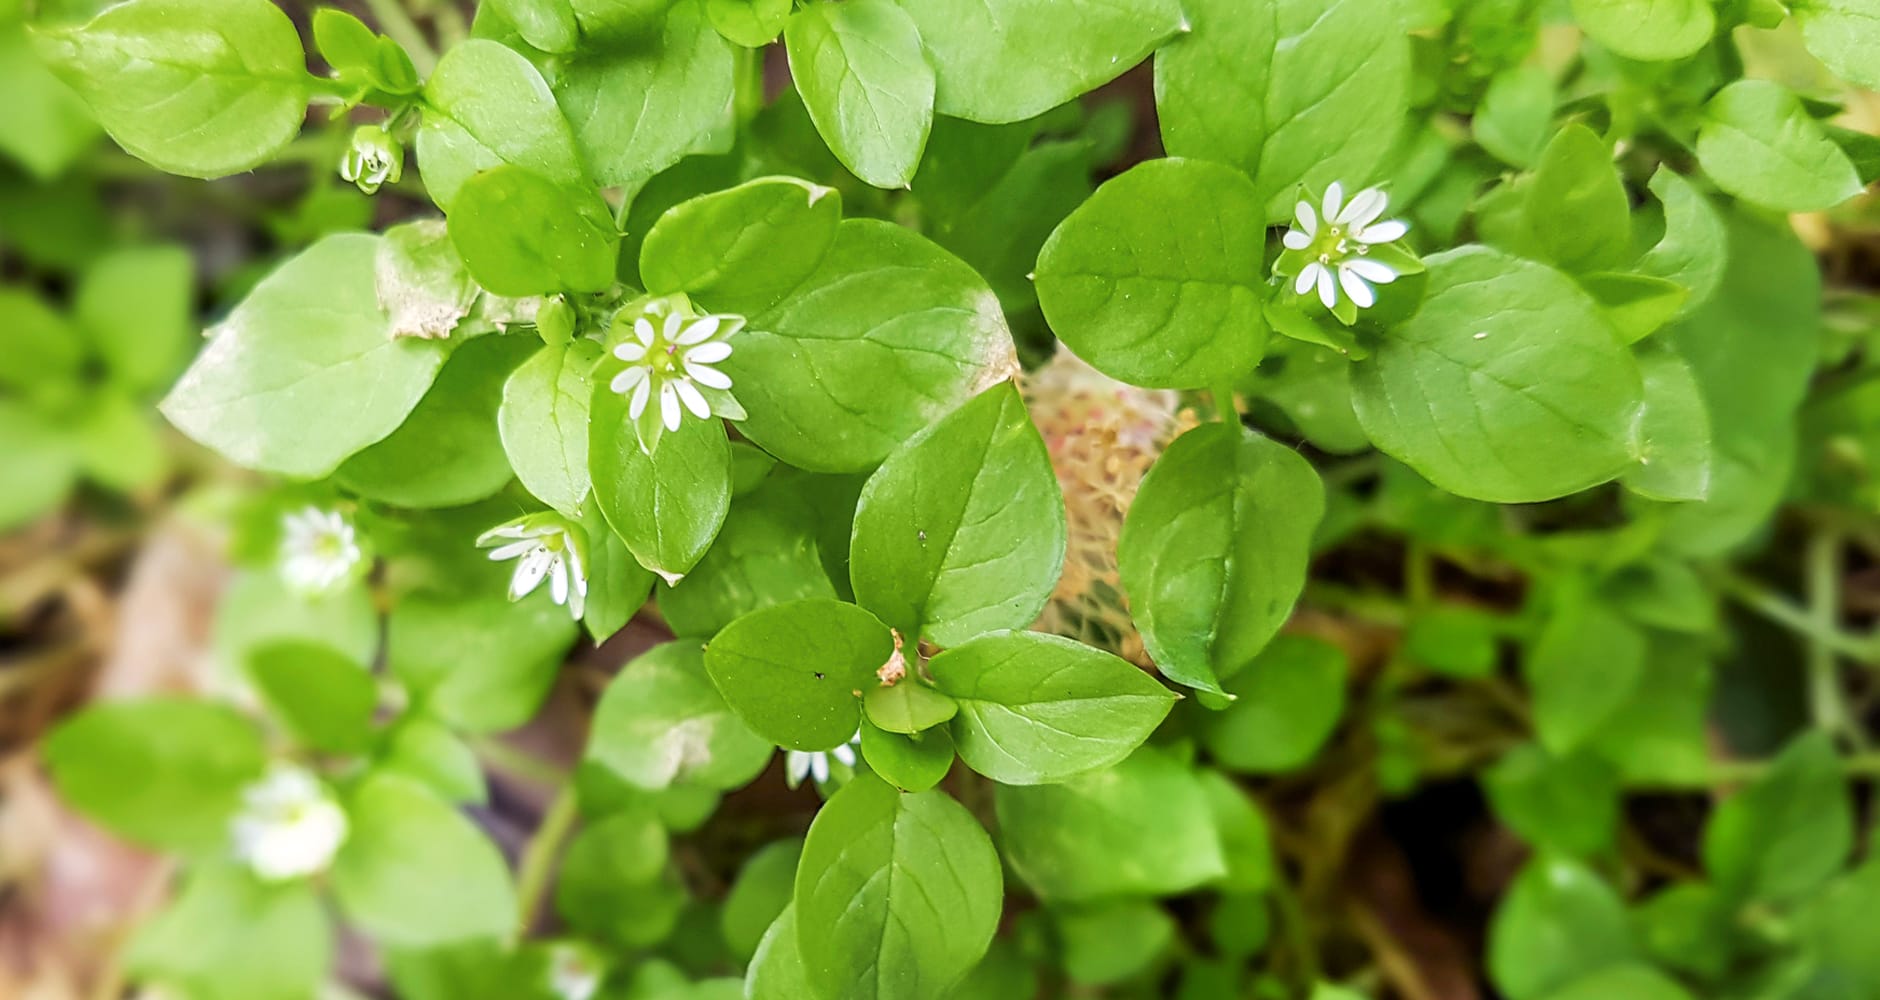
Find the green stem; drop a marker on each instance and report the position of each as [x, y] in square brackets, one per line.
[1225, 408]
[500, 756]
[1736, 772]
[1827, 702]
[538, 859]
[396, 22]
[748, 97]
[1292, 918]
[1756, 597]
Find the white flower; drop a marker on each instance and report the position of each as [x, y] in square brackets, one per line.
[671, 354]
[1340, 247]
[545, 547]
[373, 159]
[573, 973]
[798, 765]
[288, 827]
[319, 550]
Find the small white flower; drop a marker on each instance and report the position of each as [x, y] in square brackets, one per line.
[288, 827]
[573, 973]
[545, 547]
[798, 764]
[319, 550]
[672, 355]
[1340, 239]
[373, 159]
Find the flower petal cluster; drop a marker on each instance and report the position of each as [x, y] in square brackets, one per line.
[289, 825]
[1338, 238]
[671, 357]
[546, 547]
[319, 550]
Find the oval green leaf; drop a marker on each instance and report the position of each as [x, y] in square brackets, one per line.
[796, 672]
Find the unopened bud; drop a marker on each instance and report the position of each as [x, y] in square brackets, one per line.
[374, 159]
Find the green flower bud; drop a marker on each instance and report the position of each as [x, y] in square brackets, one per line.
[554, 321]
[374, 159]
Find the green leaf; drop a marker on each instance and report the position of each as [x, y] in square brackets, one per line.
[1661, 735]
[447, 452]
[426, 752]
[889, 333]
[1834, 923]
[1295, 93]
[1844, 34]
[548, 25]
[1143, 827]
[1586, 661]
[1758, 143]
[722, 248]
[859, 68]
[1695, 246]
[1213, 551]
[896, 895]
[1651, 30]
[1155, 280]
[610, 863]
[1037, 708]
[667, 506]
[1516, 111]
[910, 762]
[1674, 444]
[229, 936]
[961, 531]
[1753, 348]
[1637, 305]
[202, 88]
[776, 970]
[750, 23]
[1786, 834]
[258, 607]
[760, 894]
[1558, 923]
[136, 305]
[618, 586]
[303, 373]
[661, 722]
[38, 347]
[161, 771]
[1504, 354]
[415, 873]
[1246, 844]
[1623, 982]
[521, 234]
[486, 106]
[1287, 702]
[1007, 60]
[1576, 207]
[481, 665]
[768, 553]
[543, 423]
[795, 672]
[1564, 804]
[1453, 639]
[908, 707]
[360, 56]
[638, 109]
[324, 698]
[1111, 942]
[47, 127]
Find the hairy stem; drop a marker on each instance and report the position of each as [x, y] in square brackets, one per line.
[538, 859]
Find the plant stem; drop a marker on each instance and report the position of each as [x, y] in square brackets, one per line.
[1292, 918]
[1827, 702]
[1225, 408]
[748, 97]
[500, 756]
[538, 859]
[396, 22]
[1756, 597]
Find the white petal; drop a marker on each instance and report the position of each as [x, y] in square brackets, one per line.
[1328, 290]
[1334, 200]
[844, 753]
[1384, 232]
[529, 573]
[1365, 208]
[708, 354]
[689, 395]
[624, 382]
[1370, 270]
[513, 549]
[671, 326]
[1296, 239]
[1361, 294]
[577, 601]
[1308, 277]
[558, 582]
[669, 406]
[701, 330]
[637, 405]
[709, 377]
[643, 329]
[796, 765]
[819, 767]
[630, 351]
[1308, 219]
